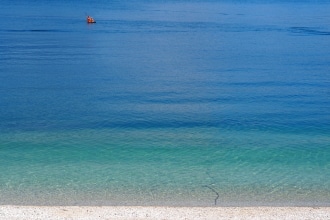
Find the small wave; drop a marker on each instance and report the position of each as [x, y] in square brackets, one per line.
[34, 30]
[308, 31]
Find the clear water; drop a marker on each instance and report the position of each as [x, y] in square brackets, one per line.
[189, 103]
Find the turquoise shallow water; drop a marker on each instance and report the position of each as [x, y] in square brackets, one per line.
[165, 167]
[165, 103]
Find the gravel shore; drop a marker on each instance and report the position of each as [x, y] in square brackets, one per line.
[143, 212]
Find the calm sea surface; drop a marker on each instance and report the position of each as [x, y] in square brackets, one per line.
[189, 103]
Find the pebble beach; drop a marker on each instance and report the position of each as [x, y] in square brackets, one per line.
[144, 212]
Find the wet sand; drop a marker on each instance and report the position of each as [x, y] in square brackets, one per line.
[144, 212]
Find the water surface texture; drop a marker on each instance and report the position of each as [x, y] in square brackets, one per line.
[189, 103]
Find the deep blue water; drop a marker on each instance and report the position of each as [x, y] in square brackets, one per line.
[165, 103]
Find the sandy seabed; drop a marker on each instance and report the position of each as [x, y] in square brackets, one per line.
[145, 212]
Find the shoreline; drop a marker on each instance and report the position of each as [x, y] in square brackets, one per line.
[13, 212]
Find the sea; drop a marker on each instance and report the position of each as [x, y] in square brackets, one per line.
[165, 102]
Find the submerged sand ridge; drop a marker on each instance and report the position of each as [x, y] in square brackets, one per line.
[148, 212]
